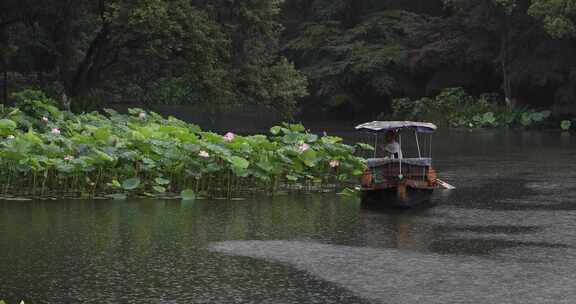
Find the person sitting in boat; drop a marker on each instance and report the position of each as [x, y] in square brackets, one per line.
[392, 148]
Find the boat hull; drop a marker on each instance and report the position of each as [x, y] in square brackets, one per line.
[398, 198]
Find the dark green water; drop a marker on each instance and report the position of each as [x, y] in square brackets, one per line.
[506, 235]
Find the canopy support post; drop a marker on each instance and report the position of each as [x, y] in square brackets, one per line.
[417, 144]
[375, 144]
[400, 138]
[430, 147]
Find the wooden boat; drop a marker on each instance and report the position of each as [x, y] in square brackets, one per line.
[395, 181]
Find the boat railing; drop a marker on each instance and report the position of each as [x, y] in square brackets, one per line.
[376, 162]
[386, 170]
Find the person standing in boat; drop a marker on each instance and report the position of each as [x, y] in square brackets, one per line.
[392, 148]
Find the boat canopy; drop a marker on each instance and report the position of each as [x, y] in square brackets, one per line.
[377, 162]
[377, 126]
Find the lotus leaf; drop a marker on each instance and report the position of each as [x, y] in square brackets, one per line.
[293, 137]
[7, 126]
[131, 183]
[330, 139]
[239, 162]
[64, 167]
[213, 167]
[365, 146]
[118, 196]
[265, 165]
[239, 172]
[159, 189]
[137, 136]
[310, 158]
[104, 156]
[526, 119]
[136, 111]
[349, 192]
[188, 195]
[489, 118]
[294, 127]
[110, 112]
[116, 184]
[292, 178]
[218, 149]
[311, 138]
[276, 130]
[161, 181]
[102, 134]
[32, 137]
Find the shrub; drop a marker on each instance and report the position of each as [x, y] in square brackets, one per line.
[453, 107]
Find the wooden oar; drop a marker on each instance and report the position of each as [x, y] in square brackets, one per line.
[445, 184]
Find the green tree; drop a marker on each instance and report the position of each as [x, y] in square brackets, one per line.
[558, 16]
[158, 51]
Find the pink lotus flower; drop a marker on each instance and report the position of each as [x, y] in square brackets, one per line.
[68, 157]
[334, 163]
[203, 154]
[55, 131]
[303, 147]
[10, 137]
[45, 119]
[141, 115]
[229, 137]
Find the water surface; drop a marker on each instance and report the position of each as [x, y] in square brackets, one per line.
[506, 235]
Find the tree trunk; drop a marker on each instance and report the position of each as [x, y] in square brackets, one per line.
[352, 13]
[65, 46]
[504, 58]
[4, 42]
[79, 77]
[5, 86]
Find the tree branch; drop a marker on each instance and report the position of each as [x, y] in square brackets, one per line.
[86, 69]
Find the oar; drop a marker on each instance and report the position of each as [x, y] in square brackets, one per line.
[445, 184]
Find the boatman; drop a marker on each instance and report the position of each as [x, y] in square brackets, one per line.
[392, 148]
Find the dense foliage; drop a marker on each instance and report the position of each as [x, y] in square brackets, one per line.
[330, 58]
[454, 108]
[360, 55]
[210, 53]
[45, 152]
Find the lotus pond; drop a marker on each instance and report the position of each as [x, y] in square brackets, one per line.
[46, 153]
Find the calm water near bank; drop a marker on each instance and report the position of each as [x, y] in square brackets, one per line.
[506, 235]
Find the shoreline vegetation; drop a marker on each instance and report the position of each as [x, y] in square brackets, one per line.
[46, 153]
[454, 108]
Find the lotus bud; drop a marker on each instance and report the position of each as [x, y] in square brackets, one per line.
[334, 163]
[229, 137]
[203, 154]
[303, 147]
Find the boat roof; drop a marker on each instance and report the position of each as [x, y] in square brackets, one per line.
[377, 162]
[378, 126]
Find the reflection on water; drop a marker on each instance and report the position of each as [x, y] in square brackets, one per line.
[507, 234]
